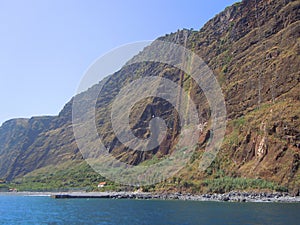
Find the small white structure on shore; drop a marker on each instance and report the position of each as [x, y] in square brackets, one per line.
[101, 184]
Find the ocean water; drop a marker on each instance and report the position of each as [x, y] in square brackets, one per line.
[45, 210]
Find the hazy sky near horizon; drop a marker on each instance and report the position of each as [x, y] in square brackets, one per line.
[46, 46]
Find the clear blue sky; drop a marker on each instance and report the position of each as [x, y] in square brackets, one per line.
[47, 45]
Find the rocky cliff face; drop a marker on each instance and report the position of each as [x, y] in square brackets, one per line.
[16, 137]
[253, 49]
[29, 144]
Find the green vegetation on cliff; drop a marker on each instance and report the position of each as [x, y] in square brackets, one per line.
[252, 48]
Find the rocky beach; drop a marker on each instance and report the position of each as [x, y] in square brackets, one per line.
[226, 197]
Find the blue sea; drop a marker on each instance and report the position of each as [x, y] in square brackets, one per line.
[45, 210]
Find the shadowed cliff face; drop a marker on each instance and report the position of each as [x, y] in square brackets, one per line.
[252, 47]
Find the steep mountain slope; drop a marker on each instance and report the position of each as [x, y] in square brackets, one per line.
[253, 48]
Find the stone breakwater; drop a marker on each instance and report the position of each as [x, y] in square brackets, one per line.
[227, 197]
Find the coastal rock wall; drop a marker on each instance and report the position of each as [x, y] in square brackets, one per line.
[253, 49]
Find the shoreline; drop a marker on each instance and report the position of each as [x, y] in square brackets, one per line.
[227, 197]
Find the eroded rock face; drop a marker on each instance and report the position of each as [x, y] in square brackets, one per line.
[252, 47]
[254, 51]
